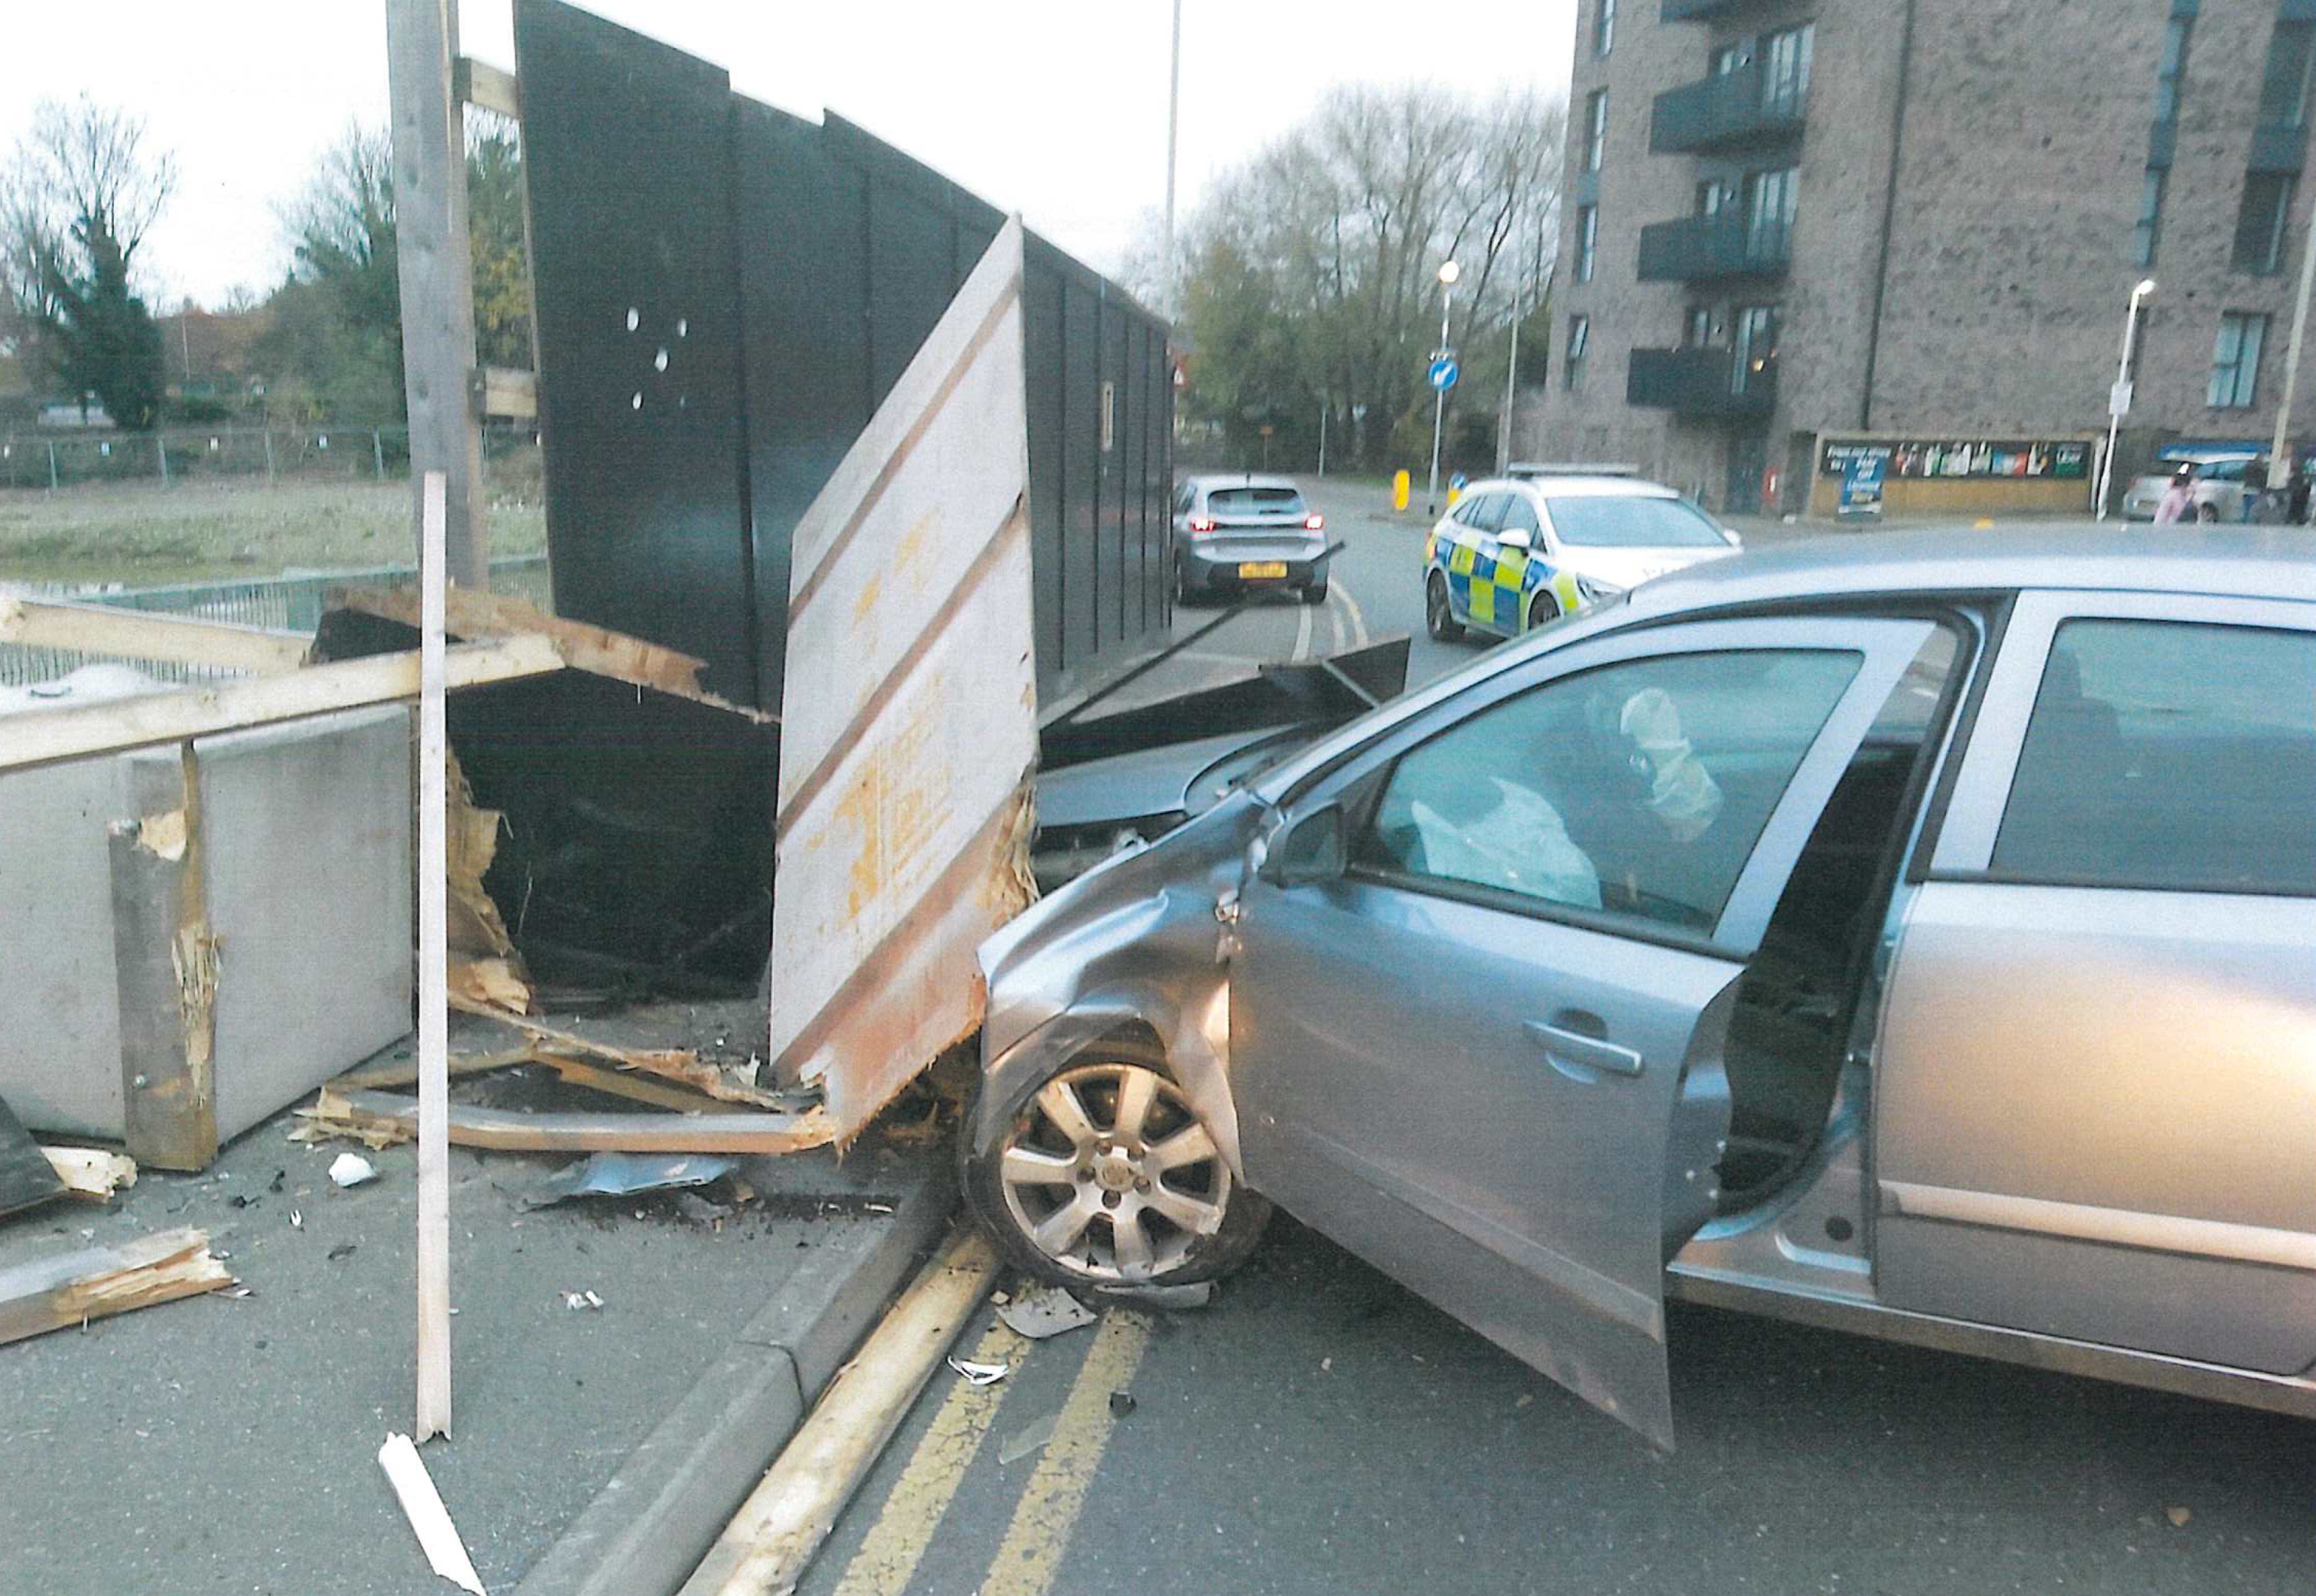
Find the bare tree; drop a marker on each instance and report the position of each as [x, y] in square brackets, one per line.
[1310, 272]
[76, 199]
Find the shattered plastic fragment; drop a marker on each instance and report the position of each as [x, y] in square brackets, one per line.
[623, 1174]
[1030, 1438]
[1041, 1314]
[577, 1301]
[980, 1374]
[351, 1169]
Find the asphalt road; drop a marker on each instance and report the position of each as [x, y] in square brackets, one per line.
[1318, 1430]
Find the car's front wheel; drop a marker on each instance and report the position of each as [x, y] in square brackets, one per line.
[1439, 618]
[1104, 1176]
[1543, 608]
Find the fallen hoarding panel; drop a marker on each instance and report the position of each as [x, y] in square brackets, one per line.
[910, 733]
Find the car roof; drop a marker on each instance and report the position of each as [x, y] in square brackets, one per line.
[2251, 562]
[1243, 479]
[1575, 487]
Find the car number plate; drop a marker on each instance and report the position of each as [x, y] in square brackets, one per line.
[1260, 568]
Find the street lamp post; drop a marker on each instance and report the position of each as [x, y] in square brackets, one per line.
[2119, 399]
[1448, 272]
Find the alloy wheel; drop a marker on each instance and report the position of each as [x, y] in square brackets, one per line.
[1108, 1172]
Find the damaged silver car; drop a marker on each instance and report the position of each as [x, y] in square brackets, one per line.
[1912, 938]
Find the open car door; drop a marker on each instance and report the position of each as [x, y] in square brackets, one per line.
[1483, 970]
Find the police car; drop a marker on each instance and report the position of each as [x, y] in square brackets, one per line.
[1517, 552]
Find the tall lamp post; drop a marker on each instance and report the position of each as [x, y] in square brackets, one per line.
[1448, 272]
[2119, 400]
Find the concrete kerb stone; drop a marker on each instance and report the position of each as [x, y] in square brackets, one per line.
[653, 1521]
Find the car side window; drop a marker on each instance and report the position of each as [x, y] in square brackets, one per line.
[1486, 512]
[1182, 500]
[1519, 514]
[1637, 790]
[2176, 754]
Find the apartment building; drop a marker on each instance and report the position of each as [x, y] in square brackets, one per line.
[1797, 227]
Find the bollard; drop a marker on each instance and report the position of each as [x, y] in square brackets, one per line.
[161, 450]
[53, 466]
[1399, 490]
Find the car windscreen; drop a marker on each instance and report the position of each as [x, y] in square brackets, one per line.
[1225, 501]
[1605, 521]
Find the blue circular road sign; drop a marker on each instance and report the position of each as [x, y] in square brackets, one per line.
[1443, 372]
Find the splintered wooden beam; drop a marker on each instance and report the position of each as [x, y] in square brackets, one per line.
[368, 1115]
[143, 635]
[592, 649]
[45, 736]
[69, 1288]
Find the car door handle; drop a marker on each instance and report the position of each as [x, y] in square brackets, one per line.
[1577, 1056]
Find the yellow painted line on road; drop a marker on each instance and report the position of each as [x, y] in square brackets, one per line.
[896, 1542]
[1031, 1555]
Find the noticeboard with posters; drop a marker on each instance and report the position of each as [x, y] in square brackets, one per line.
[1917, 459]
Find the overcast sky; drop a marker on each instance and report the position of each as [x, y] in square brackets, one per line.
[1055, 108]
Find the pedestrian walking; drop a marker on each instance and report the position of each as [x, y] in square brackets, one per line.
[2176, 497]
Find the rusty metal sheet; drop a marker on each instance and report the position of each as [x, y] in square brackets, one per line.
[910, 733]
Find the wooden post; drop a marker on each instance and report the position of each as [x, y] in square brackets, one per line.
[436, 270]
[433, 988]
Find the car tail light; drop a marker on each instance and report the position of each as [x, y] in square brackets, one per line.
[1201, 525]
[1315, 523]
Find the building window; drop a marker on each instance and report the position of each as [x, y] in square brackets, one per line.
[1603, 27]
[2260, 224]
[1755, 367]
[2174, 68]
[2151, 216]
[1596, 128]
[1588, 241]
[2235, 361]
[1698, 332]
[1785, 79]
[1769, 202]
[2284, 90]
[1711, 194]
[1579, 338]
[1728, 58]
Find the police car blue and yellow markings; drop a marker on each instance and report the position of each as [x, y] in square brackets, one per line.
[1489, 587]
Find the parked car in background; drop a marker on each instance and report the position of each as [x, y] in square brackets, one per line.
[1243, 532]
[2217, 494]
[1911, 937]
[1515, 553]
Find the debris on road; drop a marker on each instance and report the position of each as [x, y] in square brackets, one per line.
[1041, 1314]
[343, 1250]
[91, 1174]
[698, 1211]
[1187, 1299]
[578, 1301]
[2178, 1516]
[422, 1504]
[623, 1174]
[351, 1169]
[68, 1288]
[1030, 1438]
[27, 1177]
[379, 1120]
[980, 1374]
[1121, 1403]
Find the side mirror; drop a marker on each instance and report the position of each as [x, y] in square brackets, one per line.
[1518, 537]
[1310, 849]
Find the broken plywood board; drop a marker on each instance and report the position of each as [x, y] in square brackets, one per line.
[471, 841]
[380, 1120]
[41, 737]
[909, 726]
[58, 1292]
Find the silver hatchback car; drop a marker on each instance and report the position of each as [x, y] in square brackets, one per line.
[1916, 938]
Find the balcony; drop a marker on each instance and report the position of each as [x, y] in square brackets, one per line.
[1699, 11]
[1701, 248]
[1729, 110]
[1706, 383]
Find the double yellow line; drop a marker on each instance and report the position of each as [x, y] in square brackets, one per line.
[1030, 1556]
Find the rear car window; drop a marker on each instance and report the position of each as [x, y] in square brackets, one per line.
[2169, 754]
[1254, 501]
[1606, 521]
